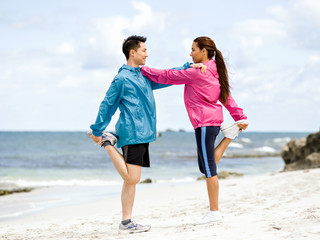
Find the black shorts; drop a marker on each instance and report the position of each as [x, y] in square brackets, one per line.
[137, 154]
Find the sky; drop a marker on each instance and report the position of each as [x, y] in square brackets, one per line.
[58, 58]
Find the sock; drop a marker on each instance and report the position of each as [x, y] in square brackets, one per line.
[125, 222]
[214, 212]
[106, 143]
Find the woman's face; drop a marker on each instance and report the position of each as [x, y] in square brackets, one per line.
[196, 53]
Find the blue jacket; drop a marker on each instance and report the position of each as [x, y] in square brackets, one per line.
[132, 93]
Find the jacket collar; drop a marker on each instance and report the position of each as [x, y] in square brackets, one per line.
[127, 67]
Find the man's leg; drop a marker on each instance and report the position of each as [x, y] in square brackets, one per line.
[119, 163]
[131, 175]
[128, 191]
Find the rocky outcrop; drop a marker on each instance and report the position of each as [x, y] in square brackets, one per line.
[303, 153]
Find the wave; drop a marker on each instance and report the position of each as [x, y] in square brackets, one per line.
[59, 183]
[177, 180]
[235, 145]
[266, 149]
[245, 140]
[20, 183]
[281, 140]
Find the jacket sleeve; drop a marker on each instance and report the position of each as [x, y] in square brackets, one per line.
[235, 112]
[108, 107]
[170, 76]
[156, 85]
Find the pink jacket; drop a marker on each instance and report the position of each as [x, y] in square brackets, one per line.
[201, 93]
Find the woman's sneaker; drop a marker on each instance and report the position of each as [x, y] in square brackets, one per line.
[108, 138]
[210, 217]
[232, 130]
[133, 227]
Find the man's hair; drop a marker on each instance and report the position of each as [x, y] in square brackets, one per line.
[132, 42]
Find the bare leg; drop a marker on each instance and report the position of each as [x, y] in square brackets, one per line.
[131, 175]
[118, 161]
[221, 148]
[128, 191]
[212, 182]
[213, 192]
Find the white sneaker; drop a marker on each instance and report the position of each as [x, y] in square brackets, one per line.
[133, 227]
[232, 130]
[210, 217]
[106, 136]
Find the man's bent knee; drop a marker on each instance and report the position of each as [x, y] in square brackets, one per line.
[132, 180]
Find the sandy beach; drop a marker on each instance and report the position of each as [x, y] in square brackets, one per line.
[278, 206]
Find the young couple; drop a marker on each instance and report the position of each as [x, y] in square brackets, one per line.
[206, 82]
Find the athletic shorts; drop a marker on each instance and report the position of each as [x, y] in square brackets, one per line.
[206, 137]
[137, 154]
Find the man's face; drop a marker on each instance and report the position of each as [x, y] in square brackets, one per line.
[140, 55]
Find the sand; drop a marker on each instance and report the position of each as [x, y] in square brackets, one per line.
[278, 206]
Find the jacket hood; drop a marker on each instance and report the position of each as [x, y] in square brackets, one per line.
[129, 68]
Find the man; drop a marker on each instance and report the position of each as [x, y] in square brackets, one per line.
[131, 92]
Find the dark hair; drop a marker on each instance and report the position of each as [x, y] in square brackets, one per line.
[210, 46]
[132, 42]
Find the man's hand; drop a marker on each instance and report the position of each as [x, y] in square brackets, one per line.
[96, 139]
[242, 126]
[199, 65]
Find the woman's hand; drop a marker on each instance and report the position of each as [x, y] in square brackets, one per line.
[242, 126]
[199, 65]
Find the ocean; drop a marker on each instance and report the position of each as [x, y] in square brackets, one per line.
[68, 168]
[51, 159]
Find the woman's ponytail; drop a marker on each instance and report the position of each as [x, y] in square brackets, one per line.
[209, 45]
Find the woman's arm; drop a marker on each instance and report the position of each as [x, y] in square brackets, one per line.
[235, 111]
[170, 76]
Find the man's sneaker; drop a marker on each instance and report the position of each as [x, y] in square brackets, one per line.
[133, 227]
[210, 217]
[232, 130]
[106, 136]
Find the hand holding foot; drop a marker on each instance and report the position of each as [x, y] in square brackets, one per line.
[107, 138]
[242, 126]
[232, 130]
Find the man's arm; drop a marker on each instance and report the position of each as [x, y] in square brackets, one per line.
[108, 107]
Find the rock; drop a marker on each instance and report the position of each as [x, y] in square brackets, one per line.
[313, 160]
[147, 180]
[223, 175]
[302, 154]
[4, 192]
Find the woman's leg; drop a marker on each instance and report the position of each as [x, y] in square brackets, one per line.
[221, 148]
[213, 192]
[212, 182]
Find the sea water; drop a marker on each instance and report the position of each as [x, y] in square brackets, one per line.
[76, 170]
[42, 159]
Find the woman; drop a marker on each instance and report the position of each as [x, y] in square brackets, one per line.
[202, 91]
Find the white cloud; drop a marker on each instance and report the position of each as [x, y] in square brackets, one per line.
[66, 48]
[308, 10]
[108, 34]
[30, 22]
[254, 33]
[147, 17]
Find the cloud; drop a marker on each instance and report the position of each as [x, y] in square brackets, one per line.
[27, 23]
[66, 48]
[301, 21]
[108, 34]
